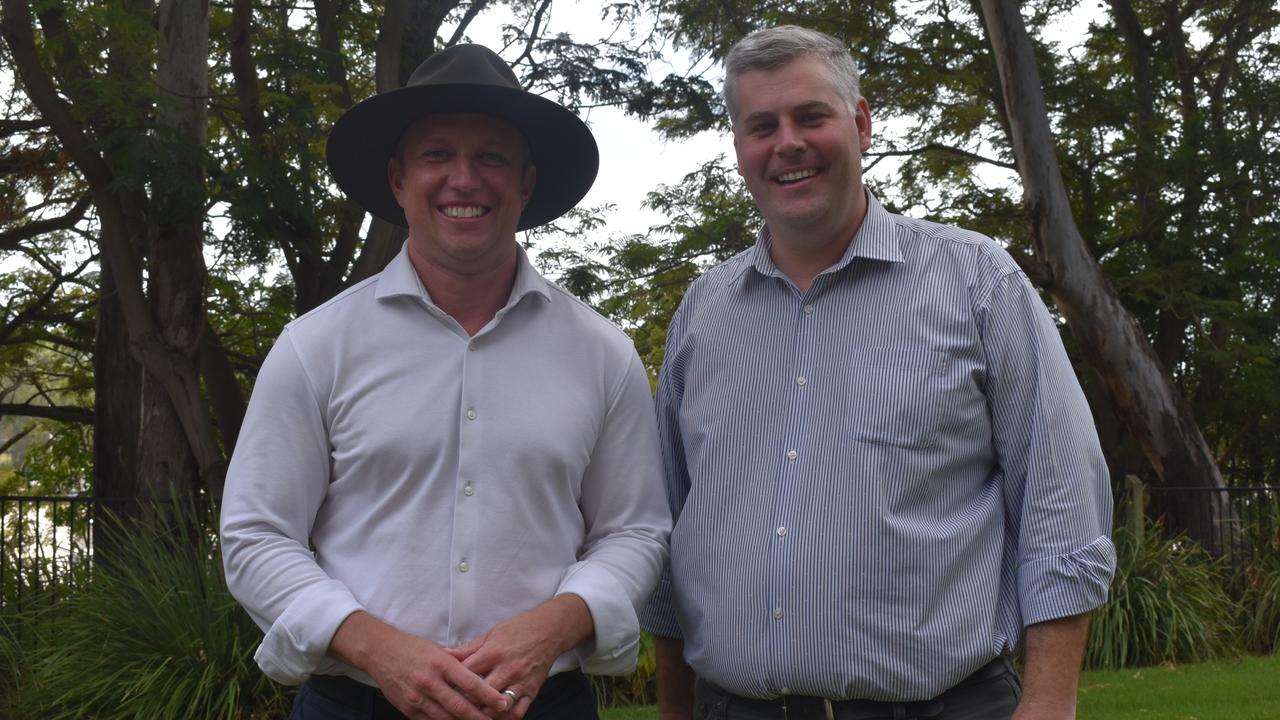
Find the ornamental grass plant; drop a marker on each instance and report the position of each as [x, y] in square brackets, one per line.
[1261, 594]
[154, 634]
[1168, 604]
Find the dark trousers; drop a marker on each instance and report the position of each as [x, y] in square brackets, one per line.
[991, 693]
[566, 696]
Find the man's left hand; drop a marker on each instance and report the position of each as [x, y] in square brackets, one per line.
[517, 654]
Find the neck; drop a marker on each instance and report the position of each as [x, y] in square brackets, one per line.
[471, 298]
[801, 251]
[802, 261]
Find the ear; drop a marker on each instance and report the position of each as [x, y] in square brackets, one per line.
[862, 119]
[527, 184]
[395, 179]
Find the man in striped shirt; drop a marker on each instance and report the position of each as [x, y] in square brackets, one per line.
[884, 475]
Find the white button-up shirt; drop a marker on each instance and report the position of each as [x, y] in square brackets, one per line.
[445, 482]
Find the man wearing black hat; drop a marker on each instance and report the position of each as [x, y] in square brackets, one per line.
[447, 497]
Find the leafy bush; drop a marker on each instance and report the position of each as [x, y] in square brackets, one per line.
[1261, 597]
[154, 634]
[1168, 604]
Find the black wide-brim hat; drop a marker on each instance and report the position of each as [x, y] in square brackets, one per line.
[464, 78]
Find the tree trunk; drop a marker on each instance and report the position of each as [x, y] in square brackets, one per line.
[176, 280]
[116, 408]
[1110, 338]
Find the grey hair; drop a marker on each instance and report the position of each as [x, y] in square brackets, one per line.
[772, 48]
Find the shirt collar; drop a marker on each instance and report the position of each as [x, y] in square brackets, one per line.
[400, 279]
[876, 239]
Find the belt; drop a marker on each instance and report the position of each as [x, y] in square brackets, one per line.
[354, 694]
[797, 707]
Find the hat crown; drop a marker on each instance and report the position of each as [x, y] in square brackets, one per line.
[464, 64]
[463, 79]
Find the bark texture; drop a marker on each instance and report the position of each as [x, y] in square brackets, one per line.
[1138, 384]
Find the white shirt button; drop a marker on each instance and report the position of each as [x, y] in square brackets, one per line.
[463, 566]
[777, 613]
[782, 531]
[471, 414]
[808, 309]
[468, 490]
[791, 454]
[801, 381]
[471, 346]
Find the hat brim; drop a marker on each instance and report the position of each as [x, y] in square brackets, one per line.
[365, 138]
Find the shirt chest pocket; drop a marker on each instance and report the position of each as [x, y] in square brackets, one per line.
[894, 397]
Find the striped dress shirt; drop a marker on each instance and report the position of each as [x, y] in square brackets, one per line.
[878, 483]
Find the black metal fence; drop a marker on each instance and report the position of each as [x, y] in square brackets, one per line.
[48, 542]
[45, 542]
[1239, 524]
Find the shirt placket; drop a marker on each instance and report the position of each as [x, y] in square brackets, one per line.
[469, 490]
[795, 371]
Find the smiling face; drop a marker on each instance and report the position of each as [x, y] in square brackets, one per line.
[799, 151]
[463, 180]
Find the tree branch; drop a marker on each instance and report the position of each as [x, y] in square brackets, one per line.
[472, 11]
[4, 448]
[939, 147]
[10, 239]
[13, 127]
[49, 412]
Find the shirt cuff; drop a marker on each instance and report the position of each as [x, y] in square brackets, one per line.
[297, 641]
[613, 649]
[1063, 585]
[658, 616]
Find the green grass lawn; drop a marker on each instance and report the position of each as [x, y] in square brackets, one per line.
[1245, 689]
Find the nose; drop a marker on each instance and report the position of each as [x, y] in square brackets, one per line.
[789, 138]
[464, 175]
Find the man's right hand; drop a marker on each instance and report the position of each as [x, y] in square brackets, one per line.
[420, 678]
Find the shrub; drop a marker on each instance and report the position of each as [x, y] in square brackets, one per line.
[154, 634]
[1168, 604]
[1261, 597]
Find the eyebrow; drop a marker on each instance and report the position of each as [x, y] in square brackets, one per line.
[802, 107]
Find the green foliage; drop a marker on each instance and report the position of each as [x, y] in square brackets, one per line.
[1261, 594]
[638, 280]
[1168, 604]
[1262, 604]
[154, 634]
[638, 688]
[60, 464]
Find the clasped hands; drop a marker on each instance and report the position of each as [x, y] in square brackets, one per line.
[425, 680]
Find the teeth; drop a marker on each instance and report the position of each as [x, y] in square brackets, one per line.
[457, 211]
[796, 175]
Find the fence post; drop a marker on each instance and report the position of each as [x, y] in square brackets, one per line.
[1137, 507]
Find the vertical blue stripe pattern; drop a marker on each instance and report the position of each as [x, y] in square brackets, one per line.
[878, 483]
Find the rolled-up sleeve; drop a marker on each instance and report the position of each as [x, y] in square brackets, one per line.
[276, 481]
[1057, 490]
[627, 525]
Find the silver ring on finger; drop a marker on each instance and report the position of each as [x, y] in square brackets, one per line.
[511, 693]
